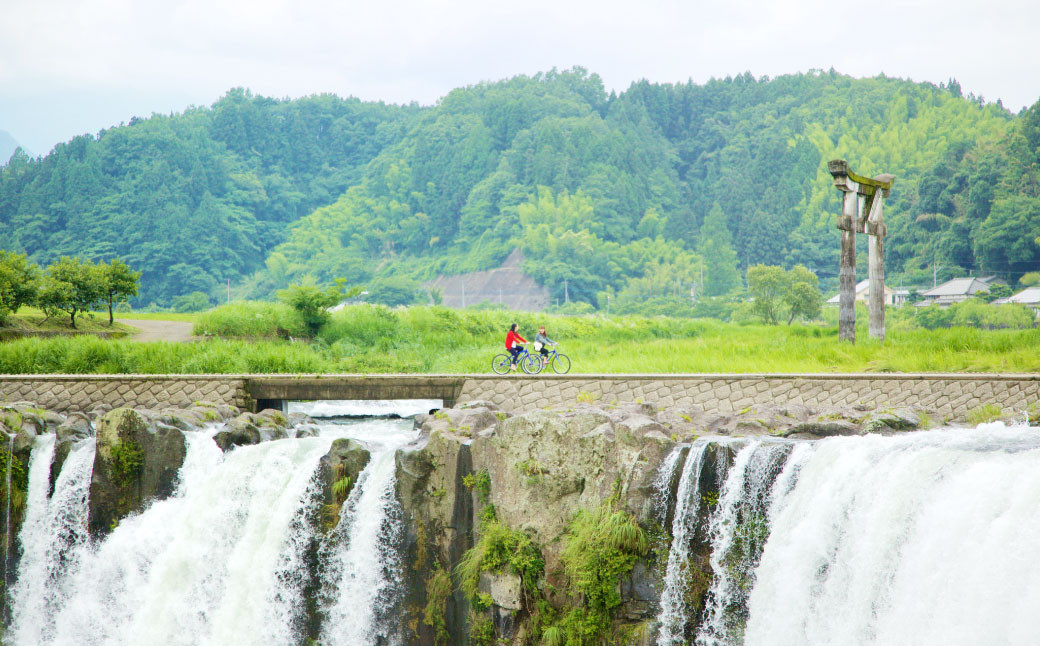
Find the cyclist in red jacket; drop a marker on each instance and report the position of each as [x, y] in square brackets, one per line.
[513, 344]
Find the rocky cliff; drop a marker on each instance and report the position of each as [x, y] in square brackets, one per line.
[546, 527]
[552, 526]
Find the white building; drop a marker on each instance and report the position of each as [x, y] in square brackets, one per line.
[892, 296]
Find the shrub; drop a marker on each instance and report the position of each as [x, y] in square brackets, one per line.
[252, 319]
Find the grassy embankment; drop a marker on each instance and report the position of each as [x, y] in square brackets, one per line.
[30, 321]
[253, 338]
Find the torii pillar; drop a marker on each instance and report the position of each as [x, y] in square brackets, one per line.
[861, 210]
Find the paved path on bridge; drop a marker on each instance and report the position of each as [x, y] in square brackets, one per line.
[160, 330]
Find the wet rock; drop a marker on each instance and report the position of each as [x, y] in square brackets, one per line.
[183, 419]
[240, 431]
[464, 423]
[249, 428]
[339, 470]
[214, 413]
[134, 464]
[503, 588]
[75, 428]
[301, 425]
[822, 428]
[478, 403]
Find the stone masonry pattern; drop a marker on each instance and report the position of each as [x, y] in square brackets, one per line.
[950, 397]
[82, 393]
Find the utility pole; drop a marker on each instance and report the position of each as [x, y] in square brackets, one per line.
[700, 284]
[229, 291]
[566, 294]
[463, 280]
[935, 272]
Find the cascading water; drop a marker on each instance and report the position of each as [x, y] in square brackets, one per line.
[923, 538]
[927, 538]
[7, 517]
[738, 530]
[52, 535]
[674, 612]
[220, 561]
[362, 580]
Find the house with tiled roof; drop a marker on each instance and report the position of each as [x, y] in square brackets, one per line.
[958, 290]
[1029, 296]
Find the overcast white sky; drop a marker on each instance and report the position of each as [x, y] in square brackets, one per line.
[69, 67]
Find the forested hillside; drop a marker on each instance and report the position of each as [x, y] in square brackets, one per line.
[605, 194]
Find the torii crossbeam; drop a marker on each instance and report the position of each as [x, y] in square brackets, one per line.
[861, 210]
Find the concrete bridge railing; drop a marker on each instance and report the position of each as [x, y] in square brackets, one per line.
[947, 395]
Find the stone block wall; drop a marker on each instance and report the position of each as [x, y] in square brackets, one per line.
[64, 393]
[947, 395]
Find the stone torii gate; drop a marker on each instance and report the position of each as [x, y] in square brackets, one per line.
[862, 200]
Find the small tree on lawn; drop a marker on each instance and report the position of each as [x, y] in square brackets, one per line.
[802, 298]
[778, 293]
[313, 303]
[19, 282]
[72, 286]
[119, 283]
[766, 285]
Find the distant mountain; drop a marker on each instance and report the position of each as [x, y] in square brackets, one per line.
[605, 194]
[8, 144]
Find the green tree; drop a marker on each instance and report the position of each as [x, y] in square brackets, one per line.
[119, 283]
[313, 303]
[994, 292]
[720, 260]
[777, 293]
[72, 286]
[393, 290]
[767, 284]
[802, 298]
[193, 302]
[19, 282]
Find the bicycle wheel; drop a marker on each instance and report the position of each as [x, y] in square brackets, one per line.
[531, 364]
[561, 364]
[500, 364]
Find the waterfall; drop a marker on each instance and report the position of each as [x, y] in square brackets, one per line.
[52, 535]
[674, 612]
[926, 538]
[363, 563]
[738, 530]
[7, 520]
[224, 560]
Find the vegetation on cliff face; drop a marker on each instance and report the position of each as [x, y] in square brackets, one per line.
[601, 546]
[606, 194]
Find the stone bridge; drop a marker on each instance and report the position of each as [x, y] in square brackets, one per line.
[947, 395]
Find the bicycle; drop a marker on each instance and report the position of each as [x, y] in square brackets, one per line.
[561, 363]
[528, 362]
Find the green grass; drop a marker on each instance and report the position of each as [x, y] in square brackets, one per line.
[30, 319]
[373, 339]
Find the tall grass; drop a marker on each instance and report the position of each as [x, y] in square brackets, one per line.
[251, 320]
[375, 339]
